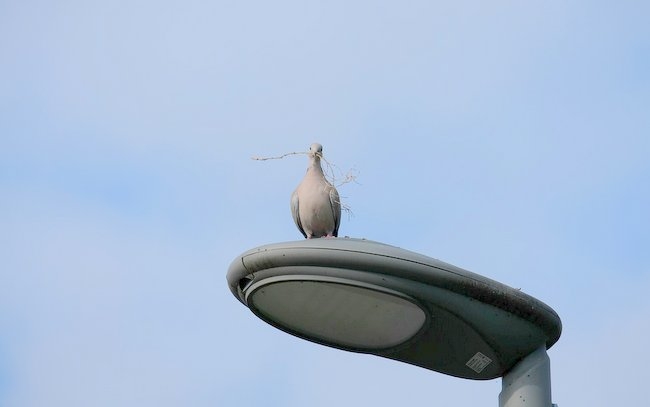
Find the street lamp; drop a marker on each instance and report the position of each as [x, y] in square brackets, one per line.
[369, 297]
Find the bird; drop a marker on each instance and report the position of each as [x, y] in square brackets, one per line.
[315, 204]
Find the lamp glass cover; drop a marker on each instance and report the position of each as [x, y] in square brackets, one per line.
[345, 315]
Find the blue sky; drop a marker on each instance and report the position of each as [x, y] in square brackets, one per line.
[508, 138]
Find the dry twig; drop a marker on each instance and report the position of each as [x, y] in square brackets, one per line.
[331, 170]
[256, 158]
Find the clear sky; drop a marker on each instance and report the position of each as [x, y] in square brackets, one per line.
[509, 138]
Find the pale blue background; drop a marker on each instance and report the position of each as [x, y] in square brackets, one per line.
[509, 138]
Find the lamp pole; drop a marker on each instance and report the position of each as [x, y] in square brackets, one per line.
[528, 383]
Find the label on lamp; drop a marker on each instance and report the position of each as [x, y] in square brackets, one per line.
[478, 362]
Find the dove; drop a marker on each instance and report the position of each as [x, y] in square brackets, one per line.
[315, 204]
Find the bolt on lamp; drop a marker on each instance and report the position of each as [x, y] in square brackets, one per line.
[369, 297]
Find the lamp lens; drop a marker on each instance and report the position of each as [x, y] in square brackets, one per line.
[343, 315]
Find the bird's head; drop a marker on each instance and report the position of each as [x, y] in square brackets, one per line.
[316, 150]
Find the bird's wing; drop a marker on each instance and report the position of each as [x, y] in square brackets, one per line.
[335, 203]
[295, 213]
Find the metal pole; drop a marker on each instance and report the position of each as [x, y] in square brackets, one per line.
[528, 383]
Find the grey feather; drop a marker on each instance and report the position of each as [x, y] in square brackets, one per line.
[315, 204]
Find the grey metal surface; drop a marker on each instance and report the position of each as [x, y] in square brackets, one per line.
[476, 328]
[528, 383]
